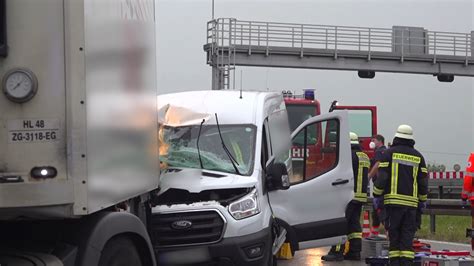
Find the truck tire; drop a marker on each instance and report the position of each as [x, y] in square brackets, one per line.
[120, 251]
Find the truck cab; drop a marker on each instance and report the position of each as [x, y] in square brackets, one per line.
[229, 191]
[362, 121]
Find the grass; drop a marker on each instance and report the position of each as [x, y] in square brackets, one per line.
[448, 228]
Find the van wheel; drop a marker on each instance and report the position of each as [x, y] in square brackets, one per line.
[120, 251]
[272, 260]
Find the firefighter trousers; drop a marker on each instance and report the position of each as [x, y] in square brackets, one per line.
[354, 229]
[401, 225]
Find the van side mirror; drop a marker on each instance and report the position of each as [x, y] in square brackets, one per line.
[277, 177]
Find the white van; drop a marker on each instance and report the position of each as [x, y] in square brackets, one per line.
[229, 194]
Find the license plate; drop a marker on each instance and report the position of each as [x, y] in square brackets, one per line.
[33, 130]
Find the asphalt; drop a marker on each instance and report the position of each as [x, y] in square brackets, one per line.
[313, 256]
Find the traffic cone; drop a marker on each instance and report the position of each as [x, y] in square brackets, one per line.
[366, 225]
[374, 231]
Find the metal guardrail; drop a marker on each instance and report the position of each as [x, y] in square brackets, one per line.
[453, 207]
[229, 32]
[441, 207]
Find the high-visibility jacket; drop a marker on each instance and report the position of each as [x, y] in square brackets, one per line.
[468, 189]
[360, 167]
[403, 176]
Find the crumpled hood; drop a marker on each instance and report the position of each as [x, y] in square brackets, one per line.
[194, 181]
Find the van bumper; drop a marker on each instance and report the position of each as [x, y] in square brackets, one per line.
[234, 251]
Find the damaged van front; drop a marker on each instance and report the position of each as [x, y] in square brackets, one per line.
[209, 208]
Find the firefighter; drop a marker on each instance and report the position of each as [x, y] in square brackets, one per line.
[468, 192]
[360, 167]
[403, 184]
[378, 145]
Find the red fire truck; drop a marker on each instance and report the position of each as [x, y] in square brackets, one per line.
[321, 149]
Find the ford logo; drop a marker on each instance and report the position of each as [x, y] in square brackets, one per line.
[181, 225]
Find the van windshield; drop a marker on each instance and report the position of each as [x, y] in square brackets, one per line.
[178, 147]
[298, 113]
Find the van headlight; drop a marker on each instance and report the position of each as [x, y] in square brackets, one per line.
[245, 207]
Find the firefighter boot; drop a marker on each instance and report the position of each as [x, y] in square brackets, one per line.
[406, 262]
[355, 246]
[335, 254]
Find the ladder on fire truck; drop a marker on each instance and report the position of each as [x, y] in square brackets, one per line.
[400, 49]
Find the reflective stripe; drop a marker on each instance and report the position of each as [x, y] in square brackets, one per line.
[361, 200]
[405, 163]
[383, 165]
[364, 162]
[400, 202]
[401, 197]
[354, 236]
[338, 248]
[407, 254]
[363, 159]
[377, 191]
[394, 254]
[423, 197]
[467, 193]
[424, 170]
[394, 178]
[359, 179]
[361, 196]
[415, 182]
[406, 158]
[469, 173]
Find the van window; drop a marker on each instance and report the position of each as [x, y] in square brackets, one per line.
[360, 122]
[279, 134]
[309, 160]
[264, 152]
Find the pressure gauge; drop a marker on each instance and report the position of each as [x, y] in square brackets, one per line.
[20, 85]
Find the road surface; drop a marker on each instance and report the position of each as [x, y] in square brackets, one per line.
[313, 256]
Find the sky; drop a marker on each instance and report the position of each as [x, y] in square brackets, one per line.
[441, 114]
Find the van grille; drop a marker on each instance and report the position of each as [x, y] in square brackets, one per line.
[206, 227]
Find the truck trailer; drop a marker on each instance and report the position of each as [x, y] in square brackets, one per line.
[78, 131]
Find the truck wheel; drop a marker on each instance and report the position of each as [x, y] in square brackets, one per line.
[120, 251]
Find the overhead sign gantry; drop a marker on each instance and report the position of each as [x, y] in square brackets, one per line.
[400, 49]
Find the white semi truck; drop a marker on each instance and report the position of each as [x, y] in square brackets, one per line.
[78, 147]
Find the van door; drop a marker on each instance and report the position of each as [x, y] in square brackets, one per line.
[363, 122]
[314, 205]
